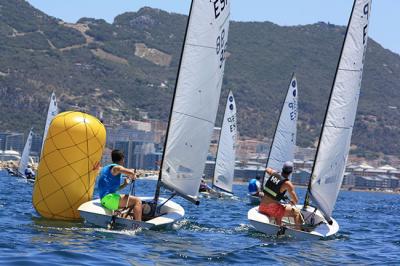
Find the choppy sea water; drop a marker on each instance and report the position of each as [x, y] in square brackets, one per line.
[215, 233]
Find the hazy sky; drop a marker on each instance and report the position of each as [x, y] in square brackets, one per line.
[383, 27]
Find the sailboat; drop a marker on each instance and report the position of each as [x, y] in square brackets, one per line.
[51, 113]
[332, 151]
[284, 139]
[23, 163]
[192, 118]
[225, 162]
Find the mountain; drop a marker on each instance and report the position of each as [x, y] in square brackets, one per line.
[129, 66]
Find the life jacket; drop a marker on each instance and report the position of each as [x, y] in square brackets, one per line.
[29, 173]
[203, 187]
[107, 182]
[273, 186]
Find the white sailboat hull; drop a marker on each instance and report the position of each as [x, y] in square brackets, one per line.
[217, 195]
[266, 225]
[94, 213]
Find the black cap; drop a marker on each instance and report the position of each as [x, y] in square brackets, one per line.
[287, 167]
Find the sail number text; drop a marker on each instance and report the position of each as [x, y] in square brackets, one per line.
[293, 109]
[365, 29]
[221, 46]
[232, 128]
[219, 7]
[232, 123]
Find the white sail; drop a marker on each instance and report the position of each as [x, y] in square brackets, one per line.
[196, 96]
[335, 138]
[23, 163]
[51, 113]
[284, 141]
[225, 162]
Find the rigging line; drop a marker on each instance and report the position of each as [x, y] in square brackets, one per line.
[220, 135]
[276, 129]
[192, 116]
[225, 20]
[201, 46]
[350, 70]
[285, 131]
[332, 126]
[272, 158]
[309, 187]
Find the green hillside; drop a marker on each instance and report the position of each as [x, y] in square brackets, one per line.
[130, 66]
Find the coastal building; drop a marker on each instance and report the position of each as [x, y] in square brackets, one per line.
[305, 154]
[349, 180]
[380, 182]
[247, 148]
[151, 161]
[390, 182]
[9, 155]
[368, 182]
[367, 170]
[139, 154]
[128, 134]
[12, 141]
[301, 177]
[243, 172]
[300, 164]
[36, 144]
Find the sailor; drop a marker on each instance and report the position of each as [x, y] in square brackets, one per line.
[204, 187]
[29, 173]
[110, 182]
[274, 192]
[255, 187]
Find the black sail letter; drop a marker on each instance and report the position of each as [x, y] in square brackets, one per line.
[365, 33]
[366, 10]
[216, 9]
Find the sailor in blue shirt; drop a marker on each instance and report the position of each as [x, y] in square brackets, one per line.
[110, 182]
[255, 186]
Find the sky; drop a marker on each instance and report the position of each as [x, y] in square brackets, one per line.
[383, 27]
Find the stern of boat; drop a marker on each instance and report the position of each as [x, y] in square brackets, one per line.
[94, 213]
[266, 225]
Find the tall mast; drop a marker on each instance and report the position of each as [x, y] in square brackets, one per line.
[159, 182]
[51, 113]
[219, 140]
[307, 197]
[276, 129]
[335, 140]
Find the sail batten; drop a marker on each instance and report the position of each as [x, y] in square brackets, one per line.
[225, 161]
[194, 117]
[196, 97]
[330, 161]
[284, 139]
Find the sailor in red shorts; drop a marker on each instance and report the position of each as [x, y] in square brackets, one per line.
[274, 191]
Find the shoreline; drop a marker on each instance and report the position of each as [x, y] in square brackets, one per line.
[242, 182]
[341, 189]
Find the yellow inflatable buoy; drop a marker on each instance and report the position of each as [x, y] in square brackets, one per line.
[68, 165]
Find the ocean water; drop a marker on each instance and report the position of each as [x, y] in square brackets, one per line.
[215, 233]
